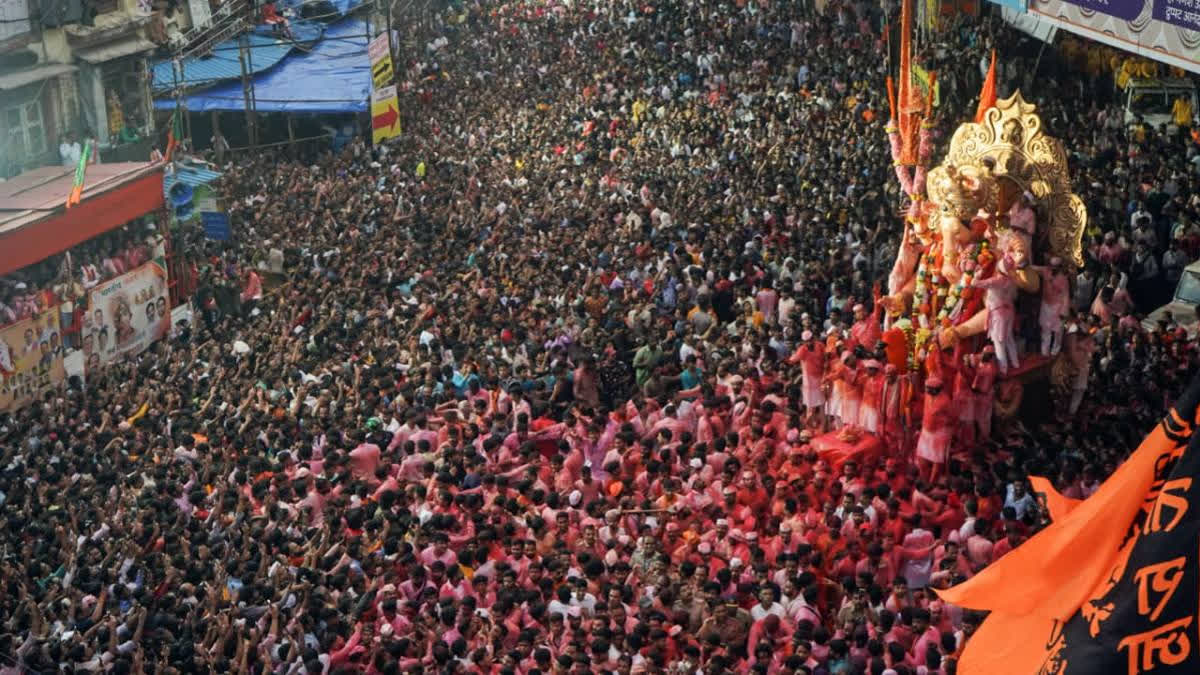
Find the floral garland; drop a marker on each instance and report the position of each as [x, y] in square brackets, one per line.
[923, 294]
[929, 293]
[980, 257]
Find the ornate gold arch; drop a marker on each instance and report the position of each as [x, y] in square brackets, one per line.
[1010, 139]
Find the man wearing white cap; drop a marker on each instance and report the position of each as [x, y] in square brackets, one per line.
[1056, 302]
[811, 357]
[718, 533]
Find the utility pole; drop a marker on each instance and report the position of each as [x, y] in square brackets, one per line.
[247, 97]
[392, 47]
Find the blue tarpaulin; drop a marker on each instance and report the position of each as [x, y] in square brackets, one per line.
[266, 50]
[188, 175]
[334, 77]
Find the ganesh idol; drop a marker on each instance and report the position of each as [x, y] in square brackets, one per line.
[976, 228]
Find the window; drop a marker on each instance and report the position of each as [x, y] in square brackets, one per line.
[124, 92]
[26, 138]
[1189, 288]
[14, 18]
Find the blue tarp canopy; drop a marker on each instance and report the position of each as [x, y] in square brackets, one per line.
[266, 50]
[188, 175]
[334, 77]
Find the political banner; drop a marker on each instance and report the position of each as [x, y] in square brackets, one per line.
[126, 315]
[31, 359]
[1129, 605]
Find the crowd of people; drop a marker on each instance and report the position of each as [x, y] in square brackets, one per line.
[66, 277]
[525, 399]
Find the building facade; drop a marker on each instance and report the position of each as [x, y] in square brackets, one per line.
[75, 69]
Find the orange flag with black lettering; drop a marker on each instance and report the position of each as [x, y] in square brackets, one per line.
[1113, 584]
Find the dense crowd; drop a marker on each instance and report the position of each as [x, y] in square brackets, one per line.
[524, 399]
[66, 277]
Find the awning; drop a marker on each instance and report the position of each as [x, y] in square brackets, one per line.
[189, 175]
[222, 62]
[1030, 24]
[36, 74]
[333, 77]
[34, 225]
[115, 50]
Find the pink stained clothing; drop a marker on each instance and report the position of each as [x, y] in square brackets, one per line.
[937, 427]
[851, 395]
[364, 460]
[767, 301]
[889, 404]
[428, 556]
[866, 332]
[811, 357]
[253, 289]
[1001, 292]
[587, 391]
[872, 398]
[983, 392]
[979, 550]
[388, 485]
[1056, 300]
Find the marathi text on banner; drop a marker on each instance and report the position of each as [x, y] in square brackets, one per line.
[31, 352]
[1126, 10]
[1182, 13]
[126, 315]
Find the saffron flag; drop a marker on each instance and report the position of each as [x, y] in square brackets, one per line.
[1057, 505]
[987, 95]
[173, 135]
[80, 173]
[1113, 584]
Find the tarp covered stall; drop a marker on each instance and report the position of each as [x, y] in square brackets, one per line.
[266, 51]
[334, 77]
[34, 224]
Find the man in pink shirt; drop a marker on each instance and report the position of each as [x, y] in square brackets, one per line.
[811, 357]
[364, 459]
[439, 551]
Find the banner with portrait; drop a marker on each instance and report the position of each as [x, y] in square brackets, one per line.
[126, 315]
[31, 359]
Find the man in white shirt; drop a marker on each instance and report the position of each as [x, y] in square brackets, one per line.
[70, 150]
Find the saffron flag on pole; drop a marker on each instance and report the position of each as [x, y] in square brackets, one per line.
[80, 174]
[987, 95]
[174, 133]
[1112, 585]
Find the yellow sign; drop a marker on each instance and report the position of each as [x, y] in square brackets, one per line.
[380, 53]
[385, 114]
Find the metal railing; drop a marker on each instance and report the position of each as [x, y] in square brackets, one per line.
[228, 21]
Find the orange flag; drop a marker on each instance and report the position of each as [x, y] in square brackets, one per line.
[1064, 576]
[1058, 505]
[987, 95]
[1111, 585]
